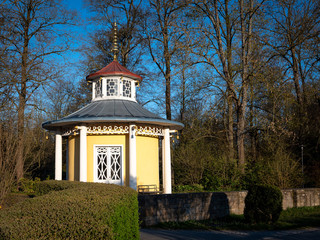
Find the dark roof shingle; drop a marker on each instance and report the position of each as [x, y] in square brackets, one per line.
[114, 69]
[112, 111]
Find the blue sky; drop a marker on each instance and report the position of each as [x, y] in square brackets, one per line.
[71, 60]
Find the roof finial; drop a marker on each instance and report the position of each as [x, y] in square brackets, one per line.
[115, 49]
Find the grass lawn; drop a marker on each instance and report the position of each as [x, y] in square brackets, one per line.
[290, 219]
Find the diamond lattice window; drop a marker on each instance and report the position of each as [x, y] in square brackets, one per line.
[102, 153]
[115, 163]
[112, 87]
[98, 89]
[126, 91]
[108, 163]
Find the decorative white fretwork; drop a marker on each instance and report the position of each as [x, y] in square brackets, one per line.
[149, 131]
[69, 132]
[112, 87]
[108, 163]
[126, 88]
[117, 129]
[107, 129]
[98, 89]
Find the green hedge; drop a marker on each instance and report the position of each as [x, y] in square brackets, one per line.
[73, 210]
[45, 187]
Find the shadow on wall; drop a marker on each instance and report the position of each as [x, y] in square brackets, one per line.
[219, 205]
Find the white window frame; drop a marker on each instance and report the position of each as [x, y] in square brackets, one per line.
[95, 166]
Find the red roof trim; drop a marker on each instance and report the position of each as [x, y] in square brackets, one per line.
[114, 68]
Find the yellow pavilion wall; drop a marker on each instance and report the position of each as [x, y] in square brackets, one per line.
[147, 160]
[73, 158]
[147, 149]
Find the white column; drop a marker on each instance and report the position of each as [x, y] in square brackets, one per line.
[93, 90]
[133, 90]
[120, 93]
[166, 162]
[132, 157]
[104, 88]
[58, 157]
[83, 154]
[67, 159]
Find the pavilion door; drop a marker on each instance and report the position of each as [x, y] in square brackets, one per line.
[108, 164]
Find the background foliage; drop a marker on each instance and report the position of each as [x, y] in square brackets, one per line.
[243, 76]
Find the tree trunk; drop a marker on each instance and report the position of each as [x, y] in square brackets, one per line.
[21, 110]
[246, 32]
[229, 91]
[168, 70]
[241, 134]
[295, 69]
[20, 146]
[252, 125]
[23, 94]
[230, 127]
[168, 92]
[183, 103]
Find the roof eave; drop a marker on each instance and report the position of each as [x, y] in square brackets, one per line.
[57, 124]
[121, 74]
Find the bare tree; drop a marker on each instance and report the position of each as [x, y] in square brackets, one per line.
[295, 28]
[164, 39]
[32, 36]
[218, 39]
[246, 25]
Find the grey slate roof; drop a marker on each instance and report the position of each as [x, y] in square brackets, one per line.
[112, 111]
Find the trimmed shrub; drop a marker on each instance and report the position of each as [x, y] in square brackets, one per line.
[263, 204]
[74, 210]
[45, 187]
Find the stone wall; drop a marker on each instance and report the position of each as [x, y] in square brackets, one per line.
[180, 207]
[303, 197]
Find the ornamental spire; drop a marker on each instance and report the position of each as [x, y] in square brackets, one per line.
[115, 49]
